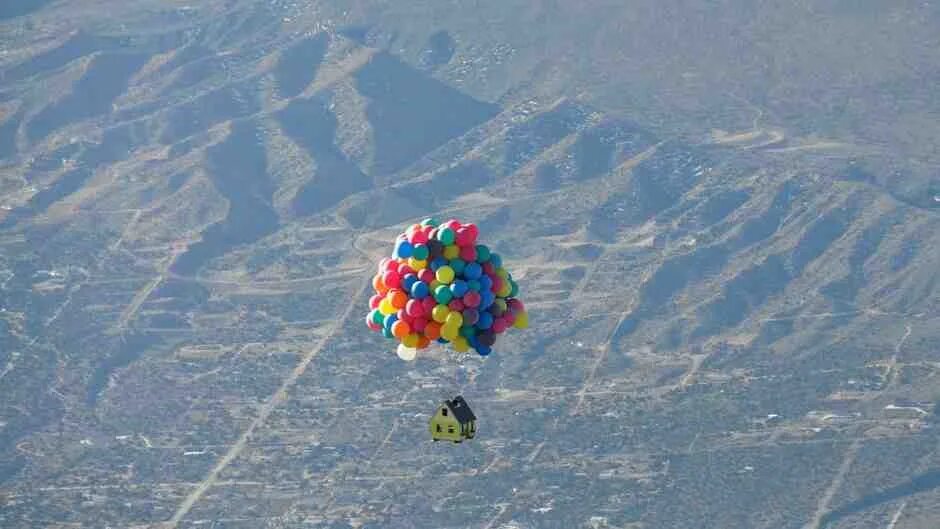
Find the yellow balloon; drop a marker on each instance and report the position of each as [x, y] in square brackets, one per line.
[454, 319]
[522, 320]
[450, 333]
[461, 345]
[410, 340]
[434, 284]
[452, 251]
[386, 307]
[417, 264]
[504, 290]
[502, 272]
[439, 313]
[445, 274]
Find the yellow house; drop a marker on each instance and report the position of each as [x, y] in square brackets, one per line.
[454, 421]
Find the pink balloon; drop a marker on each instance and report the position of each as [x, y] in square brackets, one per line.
[429, 304]
[488, 268]
[420, 236]
[391, 279]
[463, 237]
[404, 269]
[419, 324]
[455, 304]
[515, 305]
[372, 325]
[426, 275]
[403, 316]
[375, 300]
[474, 231]
[471, 299]
[499, 325]
[497, 283]
[383, 265]
[391, 265]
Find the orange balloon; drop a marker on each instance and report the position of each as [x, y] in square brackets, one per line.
[432, 331]
[400, 329]
[398, 298]
[379, 285]
[423, 341]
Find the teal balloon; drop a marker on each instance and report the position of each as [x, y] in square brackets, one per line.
[483, 253]
[430, 221]
[443, 295]
[420, 252]
[474, 285]
[377, 317]
[514, 288]
[458, 265]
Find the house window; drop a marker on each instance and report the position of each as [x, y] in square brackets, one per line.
[450, 429]
[444, 412]
[438, 428]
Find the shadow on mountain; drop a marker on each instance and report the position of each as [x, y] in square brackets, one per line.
[238, 169]
[19, 8]
[528, 139]
[298, 64]
[116, 144]
[309, 123]
[208, 110]
[411, 113]
[106, 78]
[923, 483]
[843, 291]
[438, 50]
[79, 45]
[129, 349]
[8, 128]
[656, 185]
[756, 285]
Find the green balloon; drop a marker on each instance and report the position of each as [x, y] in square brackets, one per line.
[483, 253]
[514, 288]
[377, 317]
[443, 295]
[446, 236]
[430, 221]
[458, 265]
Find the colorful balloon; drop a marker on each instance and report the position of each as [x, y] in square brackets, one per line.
[442, 285]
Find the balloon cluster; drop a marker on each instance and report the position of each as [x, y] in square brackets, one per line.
[441, 285]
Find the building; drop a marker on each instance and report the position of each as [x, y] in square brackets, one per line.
[453, 421]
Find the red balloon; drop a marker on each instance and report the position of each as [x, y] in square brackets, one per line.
[391, 265]
[515, 305]
[474, 231]
[499, 325]
[468, 253]
[420, 236]
[415, 308]
[497, 283]
[455, 305]
[463, 237]
[372, 325]
[383, 265]
[489, 269]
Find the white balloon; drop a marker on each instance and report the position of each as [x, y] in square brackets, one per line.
[407, 353]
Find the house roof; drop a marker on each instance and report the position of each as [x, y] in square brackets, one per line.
[460, 409]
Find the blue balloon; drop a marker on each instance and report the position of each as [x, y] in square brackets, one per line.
[485, 321]
[404, 250]
[441, 340]
[390, 320]
[458, 288]
[473, 270]
[483, 350]
[420, 290]
[487, 298]
[408, 281]
[458, 265]
[486, 283]
[496, 260]
[473, 341]
[437, 263]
